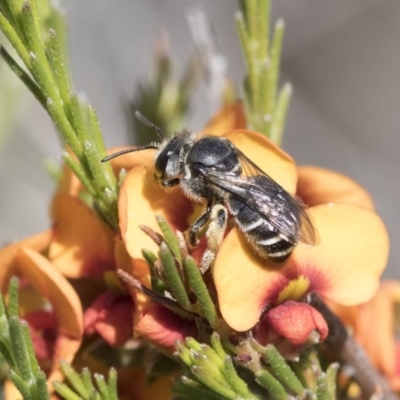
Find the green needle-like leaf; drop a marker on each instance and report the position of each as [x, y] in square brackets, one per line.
[173, 278]
[87, 380]
[15, 40]
[269, 382]
[276, 58]
[64, 126]
[217, 345]
[59, 67]
[170, 238]
[21, 385]
[79, 172]
[25, 78]
[74, 379]
[331, 375]
[34, 365]
[20, 350]
[323, 388]
[281, 370]
[208, 380]
[65, 392]
[183, 353]
[238, 385]
[13, 302]
[282, 105]
[198, 286]
[41, 386]
[101, 384]
[263, 66]
[112, 384]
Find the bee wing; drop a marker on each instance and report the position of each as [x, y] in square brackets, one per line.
[260, 192]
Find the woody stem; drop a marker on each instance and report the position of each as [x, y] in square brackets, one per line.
[343, 348]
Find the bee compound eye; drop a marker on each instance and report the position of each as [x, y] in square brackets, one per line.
[170, 150]
[161, 164]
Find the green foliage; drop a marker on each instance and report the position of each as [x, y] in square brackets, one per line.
[24, 371]
[265, 107]
[219, 363]
[210, 370]
[39, 40]
[17, 349]
[86, 387]
[176, 271]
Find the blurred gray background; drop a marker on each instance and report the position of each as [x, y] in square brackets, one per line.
[342, 57]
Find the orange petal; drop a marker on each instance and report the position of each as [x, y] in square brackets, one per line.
[345, 266]
[267, 156]
[140, 200]
[319, 185]
[49, 282]
[230, 117]
[82, 244]
[38, 242]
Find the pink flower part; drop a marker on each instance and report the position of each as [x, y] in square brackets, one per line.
[297, 322]
[163, 327]
[111, 316]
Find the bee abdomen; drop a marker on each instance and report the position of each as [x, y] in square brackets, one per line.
[265, 239]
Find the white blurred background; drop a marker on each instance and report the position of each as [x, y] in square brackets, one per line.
[342, 57]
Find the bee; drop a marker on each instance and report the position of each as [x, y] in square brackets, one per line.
[213, 171]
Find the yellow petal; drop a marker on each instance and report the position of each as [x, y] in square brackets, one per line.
[230, 117]
[344, 266]
[49, 282]
[267, 156]
[82, 245]
[319, 185]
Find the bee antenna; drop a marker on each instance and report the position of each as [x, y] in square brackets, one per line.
[130, 150]
[146, 122]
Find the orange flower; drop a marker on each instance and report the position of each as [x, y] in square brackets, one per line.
[82, 244]
[47, 300]
[375, 326]
[344, 265]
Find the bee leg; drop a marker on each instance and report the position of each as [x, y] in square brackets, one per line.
[191, 234]
[215, 235]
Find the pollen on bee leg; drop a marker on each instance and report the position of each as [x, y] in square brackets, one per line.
[215, 234]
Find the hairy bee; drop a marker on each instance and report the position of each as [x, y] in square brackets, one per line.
[211, 170]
